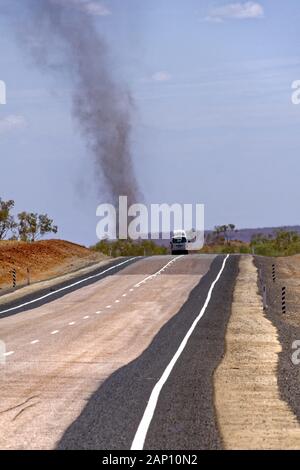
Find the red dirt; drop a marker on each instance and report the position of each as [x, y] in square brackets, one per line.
[45, 259]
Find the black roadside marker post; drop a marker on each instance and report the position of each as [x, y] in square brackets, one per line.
[265, 297]
[273, 273]
[28, 276]
[283, 302]
[14, 278]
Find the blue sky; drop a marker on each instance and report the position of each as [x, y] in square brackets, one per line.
[213, 121]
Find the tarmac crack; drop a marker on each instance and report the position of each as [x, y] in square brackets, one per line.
[20, 404]
[24, 409]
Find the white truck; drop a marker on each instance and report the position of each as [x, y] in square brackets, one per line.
[179, 243]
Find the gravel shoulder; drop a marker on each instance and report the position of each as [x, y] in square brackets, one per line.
[252, 413]
[288, 325]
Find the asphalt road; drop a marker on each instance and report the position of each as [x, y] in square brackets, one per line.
[42, 296]
[184, 417]
[82, 364]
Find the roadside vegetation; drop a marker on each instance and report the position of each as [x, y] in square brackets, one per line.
[231, 248]
[221, 240]
[280, 243]
[31, 226]
[26, 226]
[129, 248]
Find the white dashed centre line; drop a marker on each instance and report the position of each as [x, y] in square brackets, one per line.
[94, 276]
[35, 341]
[98, 312]
[9, 353]
[152, 276]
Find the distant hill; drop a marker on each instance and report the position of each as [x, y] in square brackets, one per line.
[244, 234]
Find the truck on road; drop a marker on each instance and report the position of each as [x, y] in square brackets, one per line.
[179, 243]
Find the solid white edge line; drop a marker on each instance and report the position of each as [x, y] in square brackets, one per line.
[67, 287]
[140, 436]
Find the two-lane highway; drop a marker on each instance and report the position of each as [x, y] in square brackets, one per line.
[81, 366]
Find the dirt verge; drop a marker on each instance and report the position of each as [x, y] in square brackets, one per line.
[287, 272]
[250, 410]
[45, 260]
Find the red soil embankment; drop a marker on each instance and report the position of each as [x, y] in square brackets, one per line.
[45, 259]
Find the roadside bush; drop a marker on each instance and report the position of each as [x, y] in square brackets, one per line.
[245, 249]
[282, 243]
[129, 248]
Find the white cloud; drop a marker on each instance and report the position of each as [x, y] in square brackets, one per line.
[91, 7]
[237, 11]
[161, 76]
[13, 121]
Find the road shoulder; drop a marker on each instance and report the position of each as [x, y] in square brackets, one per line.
[287, 272]
[251, 413]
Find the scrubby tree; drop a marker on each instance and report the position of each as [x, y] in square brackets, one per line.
[33, 226]
[231, 229]
[258, 239]
[218, 234]
[46, 225]
[7, 221]
[223, 232]
[284, 240]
